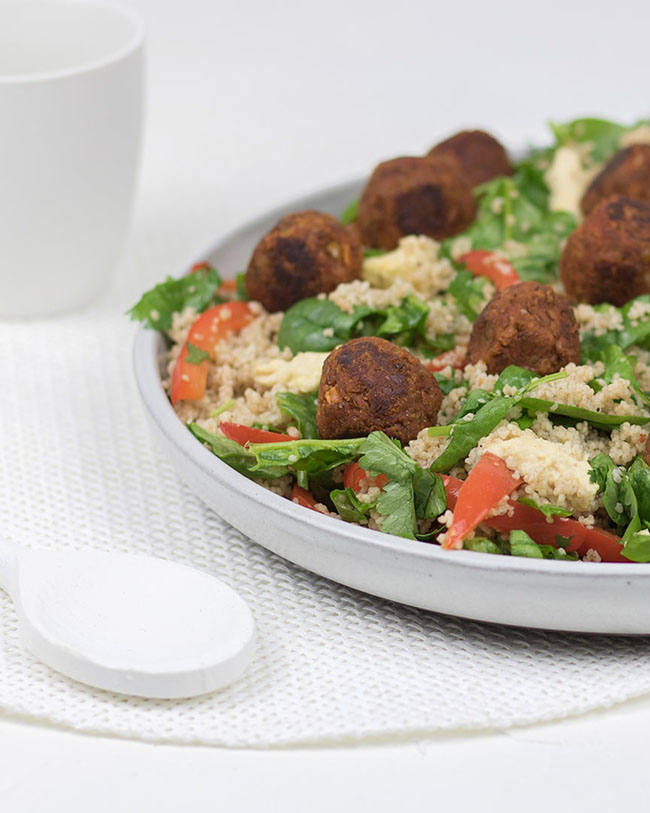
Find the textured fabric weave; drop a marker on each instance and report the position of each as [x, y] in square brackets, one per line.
[79, 470]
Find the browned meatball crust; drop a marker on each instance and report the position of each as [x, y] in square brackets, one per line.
[607, 258]
[526, 324]
[414, 196]
[371, 384]
[305, 254]
[478, 154]
[627, 173]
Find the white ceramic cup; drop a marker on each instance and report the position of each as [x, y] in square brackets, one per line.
[71, 88]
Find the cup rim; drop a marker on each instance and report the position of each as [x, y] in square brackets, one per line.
[132, 45]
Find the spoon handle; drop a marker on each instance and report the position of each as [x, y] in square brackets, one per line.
[8, 564]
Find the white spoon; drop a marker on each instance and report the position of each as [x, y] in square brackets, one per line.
[130, 624]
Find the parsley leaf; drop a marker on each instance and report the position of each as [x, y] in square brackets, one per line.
[395, 504]
[195, 355]
[381, 455]
[196, 290]
[302, 408]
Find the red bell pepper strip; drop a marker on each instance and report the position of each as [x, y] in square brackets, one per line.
[353, 474]
[492, 265]
[545, 532]
[250, 434]
[188, 380]
[488, 483]
[303, 497]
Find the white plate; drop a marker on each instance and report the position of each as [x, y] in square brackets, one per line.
[571, 596]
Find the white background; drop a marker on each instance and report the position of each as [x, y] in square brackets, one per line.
[250, 104]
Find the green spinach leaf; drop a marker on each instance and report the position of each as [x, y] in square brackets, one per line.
[302, 408]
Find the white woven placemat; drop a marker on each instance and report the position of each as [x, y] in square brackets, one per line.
[78, 469]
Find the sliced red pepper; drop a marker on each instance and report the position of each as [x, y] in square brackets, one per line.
[492, 265]
[249, 434]
[545, 532]
[303, 497]
[188, 380]
[488, 483]
[353, 474]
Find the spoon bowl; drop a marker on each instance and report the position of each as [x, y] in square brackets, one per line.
[128, 623]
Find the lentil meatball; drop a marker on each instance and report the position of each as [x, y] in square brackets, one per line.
[627, 173]
[414, 196]
[607, 258]
[478, 154]
[305, 254]
[526, 324]
[369, 384]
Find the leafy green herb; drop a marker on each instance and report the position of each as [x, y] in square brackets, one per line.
[373, 252]
[308, 455]
[482, 545]
[429, 493]
[196, 290]
[319, 325]
[240, 458]
[467, 434]
[603, 136]
[348, 505]
[546, 509]
[618, 363]
[469, 293]
[240, 280]
[315, 325]
[302, 408]
[626, 498]
[599, 420]
[395, 504]
[522, 545]
[195, 355]
[448, 384]
[514, 211]
[350, 213]
[383, 455]
[633, 331]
